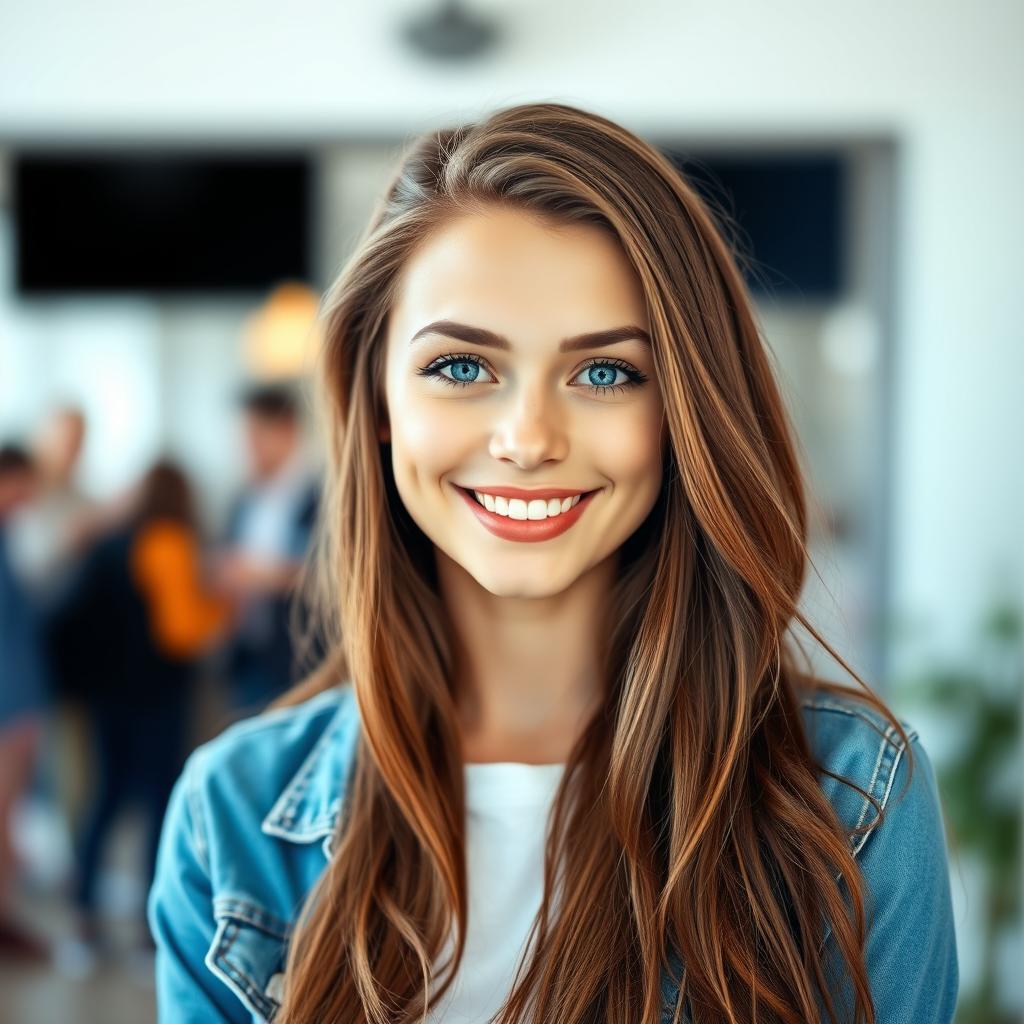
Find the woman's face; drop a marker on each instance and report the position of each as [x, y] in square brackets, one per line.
[484, 393]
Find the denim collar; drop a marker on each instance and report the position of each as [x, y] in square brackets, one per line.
[310, 804]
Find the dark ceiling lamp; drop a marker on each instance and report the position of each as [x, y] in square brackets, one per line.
[449, 33]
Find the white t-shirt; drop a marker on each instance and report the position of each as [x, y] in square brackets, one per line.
[507, 808]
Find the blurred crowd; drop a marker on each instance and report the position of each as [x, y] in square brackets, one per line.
[114, 617]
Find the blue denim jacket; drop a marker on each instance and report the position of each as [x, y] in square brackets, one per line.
[250, 825]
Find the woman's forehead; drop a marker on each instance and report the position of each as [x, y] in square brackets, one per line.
[513, 275]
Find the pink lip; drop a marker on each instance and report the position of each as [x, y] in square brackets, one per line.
[526, 529]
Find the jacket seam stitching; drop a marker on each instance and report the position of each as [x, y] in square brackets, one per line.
[891, 778]
[236, 979]
[898, 749]
[861, 839]
[232, 908]
[871, 785]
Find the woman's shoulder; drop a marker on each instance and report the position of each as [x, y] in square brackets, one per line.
[239, 854]
[282, 768]
[884, 790]
[277, 740]
[284, 729]
[863, 758]
[843, 723]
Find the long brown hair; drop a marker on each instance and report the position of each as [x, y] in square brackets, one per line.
[690, 816]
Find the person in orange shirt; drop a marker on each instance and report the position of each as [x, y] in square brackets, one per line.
[139, 618]
[184, 617]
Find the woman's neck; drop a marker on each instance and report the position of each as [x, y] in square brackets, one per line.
[532, 670]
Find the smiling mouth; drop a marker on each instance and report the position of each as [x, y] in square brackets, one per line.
[516, 528]
[522, 509]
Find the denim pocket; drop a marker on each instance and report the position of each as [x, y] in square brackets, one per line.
[248, 954]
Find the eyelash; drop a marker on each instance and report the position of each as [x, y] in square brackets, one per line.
[636, 377]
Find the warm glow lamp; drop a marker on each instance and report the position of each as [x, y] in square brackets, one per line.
[281, 338]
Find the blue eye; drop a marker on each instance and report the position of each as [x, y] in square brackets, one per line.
[601, 373]
[464, 370]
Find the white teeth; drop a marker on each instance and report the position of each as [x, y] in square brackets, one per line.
[517, 508]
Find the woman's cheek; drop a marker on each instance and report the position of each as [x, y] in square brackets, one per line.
[433, 435]
[626, 441]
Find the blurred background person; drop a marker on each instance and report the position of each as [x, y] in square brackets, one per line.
[52, 530]
[22, 696]
[48, 537]
[141, 599]
[268, 531]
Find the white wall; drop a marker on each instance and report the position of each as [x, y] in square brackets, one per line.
[99, 354]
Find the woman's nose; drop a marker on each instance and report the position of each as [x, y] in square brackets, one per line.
[531, 432]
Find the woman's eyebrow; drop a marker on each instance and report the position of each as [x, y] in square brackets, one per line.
[481, 336]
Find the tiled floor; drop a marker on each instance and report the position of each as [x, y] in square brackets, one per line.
[119, 990]
[115, 995]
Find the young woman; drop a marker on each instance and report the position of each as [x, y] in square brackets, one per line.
[561, 765]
